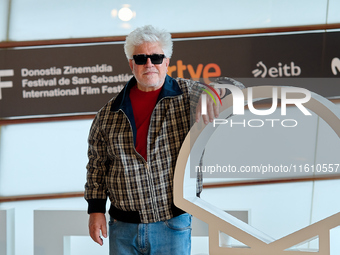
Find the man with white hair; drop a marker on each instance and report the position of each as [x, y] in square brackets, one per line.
[134, 142]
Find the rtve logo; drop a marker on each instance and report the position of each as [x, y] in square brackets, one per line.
[6, 84]
[335, 65]
[279, 71]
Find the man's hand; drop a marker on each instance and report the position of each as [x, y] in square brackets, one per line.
[212, 109]
[97, 223]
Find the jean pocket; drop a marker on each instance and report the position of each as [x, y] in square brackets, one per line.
[179, 223]
[112, 221]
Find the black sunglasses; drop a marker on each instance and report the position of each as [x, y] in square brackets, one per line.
[141, 59]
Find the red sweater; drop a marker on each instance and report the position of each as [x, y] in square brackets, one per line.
[143, 104]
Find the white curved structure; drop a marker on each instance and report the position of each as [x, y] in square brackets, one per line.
[219, 221]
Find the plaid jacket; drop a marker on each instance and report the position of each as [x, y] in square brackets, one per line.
[139, 190]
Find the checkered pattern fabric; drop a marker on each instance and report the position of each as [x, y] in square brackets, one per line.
[116, 170]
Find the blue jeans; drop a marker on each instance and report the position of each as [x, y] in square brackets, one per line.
[171, 237]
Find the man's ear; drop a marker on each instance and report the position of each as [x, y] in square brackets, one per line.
[131, 64]
[167, 62]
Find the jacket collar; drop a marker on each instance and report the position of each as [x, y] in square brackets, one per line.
[170, 88]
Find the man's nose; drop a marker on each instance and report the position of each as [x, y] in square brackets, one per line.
[148, 62]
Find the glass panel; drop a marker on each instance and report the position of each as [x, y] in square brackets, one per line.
[248, 143]
[40, 19]
[272, 146]
[43, 157]
[79, 245]
[276, 209]
[3, 19]
[326, 202]
[333, 11]
[23, 217]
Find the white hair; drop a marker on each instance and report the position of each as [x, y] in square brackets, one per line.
[148, 34]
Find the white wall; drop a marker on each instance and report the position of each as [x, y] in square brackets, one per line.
[41, 19]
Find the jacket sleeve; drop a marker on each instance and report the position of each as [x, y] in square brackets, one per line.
[95, 187]
[193, 92]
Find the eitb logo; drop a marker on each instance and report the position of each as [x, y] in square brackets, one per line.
[281, 70]
[5, 84]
